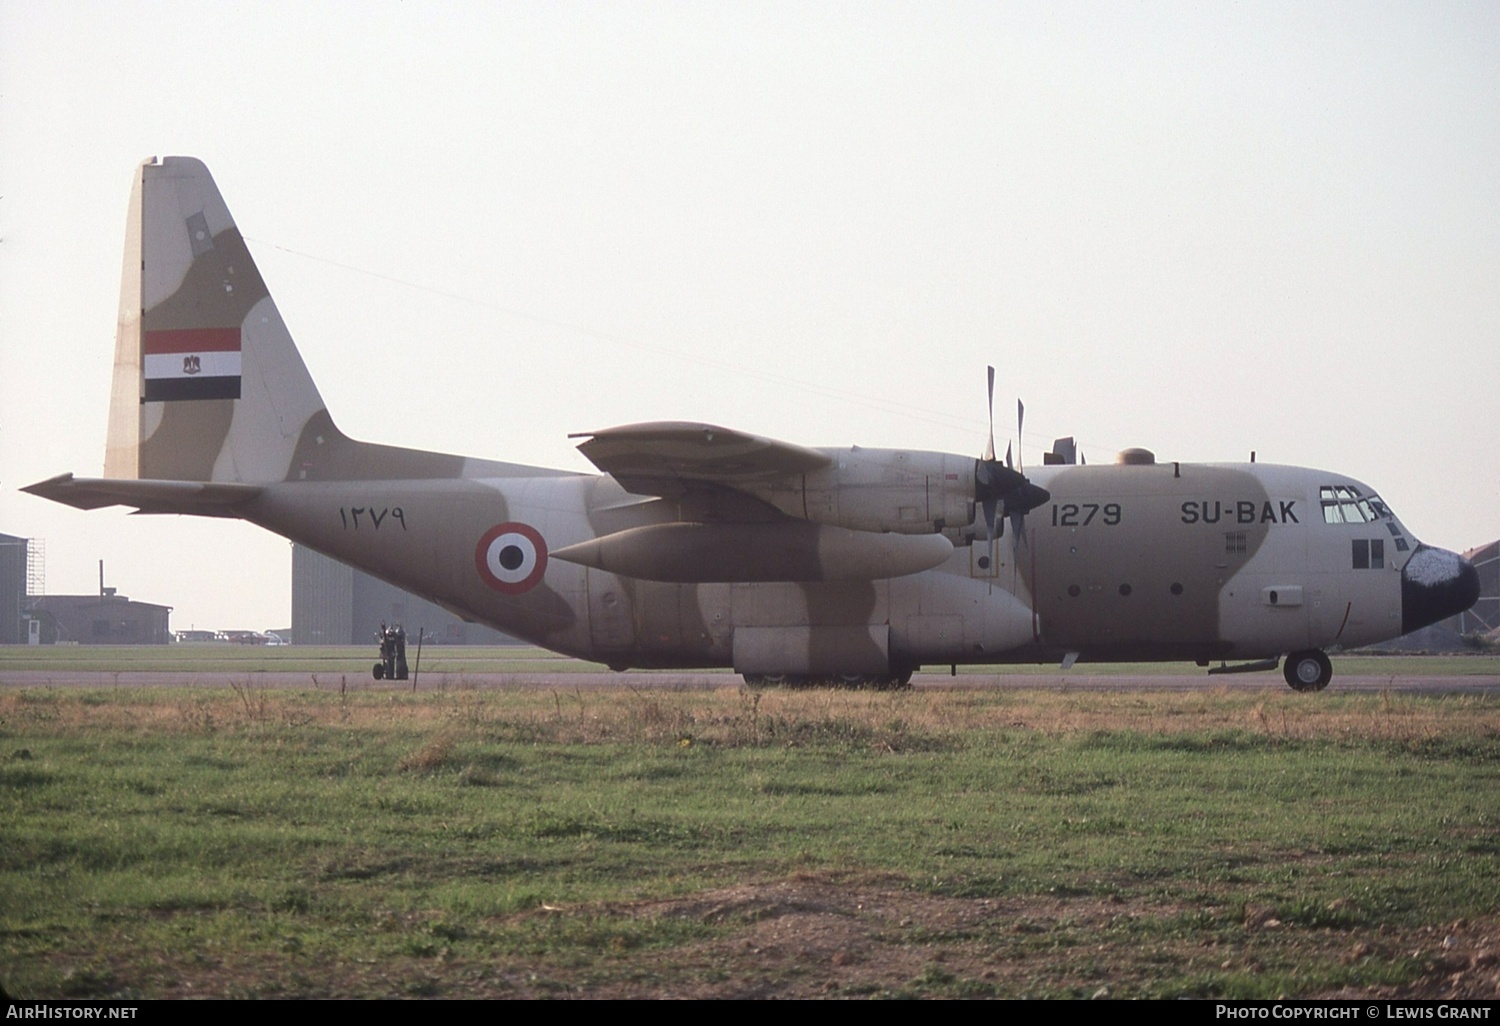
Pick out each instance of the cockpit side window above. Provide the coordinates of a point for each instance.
(1369, 554)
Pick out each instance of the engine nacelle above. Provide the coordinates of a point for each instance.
(880, 490)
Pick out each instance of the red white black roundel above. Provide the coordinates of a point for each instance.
(511, 557)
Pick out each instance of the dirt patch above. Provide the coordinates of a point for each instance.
(1460, 961)
(821, 936)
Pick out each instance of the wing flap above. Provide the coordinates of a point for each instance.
(669, 458)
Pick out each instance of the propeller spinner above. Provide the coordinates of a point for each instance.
(998, 488)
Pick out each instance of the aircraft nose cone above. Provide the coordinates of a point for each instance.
(1435, 584)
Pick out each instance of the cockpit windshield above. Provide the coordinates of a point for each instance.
(1343, 504)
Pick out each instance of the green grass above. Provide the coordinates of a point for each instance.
(286, 843)
(210, 657)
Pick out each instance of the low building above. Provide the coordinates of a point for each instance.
(107, 619)
(1484, 616)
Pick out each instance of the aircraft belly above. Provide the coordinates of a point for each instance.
(824, 627)
(947, 618)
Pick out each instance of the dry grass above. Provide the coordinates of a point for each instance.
(434, 755)
(737, 716)
(634, 842)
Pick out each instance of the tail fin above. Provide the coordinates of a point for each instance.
(211, 401)
(208, 385)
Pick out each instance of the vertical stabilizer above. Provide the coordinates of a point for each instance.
(208, 385)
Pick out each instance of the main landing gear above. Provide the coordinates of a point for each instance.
(874, 682)
(1309, 670)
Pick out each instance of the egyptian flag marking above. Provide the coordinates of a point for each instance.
(192, 363)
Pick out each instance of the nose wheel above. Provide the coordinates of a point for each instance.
(1308, 671)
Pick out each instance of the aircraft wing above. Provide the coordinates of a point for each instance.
(194, 497)
(669, 458)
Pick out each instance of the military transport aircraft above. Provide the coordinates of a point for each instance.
(703, 546)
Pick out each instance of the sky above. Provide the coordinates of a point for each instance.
(1202, 228)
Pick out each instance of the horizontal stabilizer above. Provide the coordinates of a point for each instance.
(192, 497)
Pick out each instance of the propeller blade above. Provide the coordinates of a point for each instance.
(1020, 423)
(1001, 491)
(989, 449)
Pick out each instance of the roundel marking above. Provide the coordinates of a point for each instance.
(511, 557)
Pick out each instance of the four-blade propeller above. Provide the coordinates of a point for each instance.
(999, 488)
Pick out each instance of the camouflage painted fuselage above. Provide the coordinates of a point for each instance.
(1126, 563)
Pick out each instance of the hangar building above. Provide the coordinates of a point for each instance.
(14, 562)
(334, 604)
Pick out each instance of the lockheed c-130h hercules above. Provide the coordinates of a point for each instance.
(700, 546)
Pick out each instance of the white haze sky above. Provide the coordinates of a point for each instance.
(1203, 228)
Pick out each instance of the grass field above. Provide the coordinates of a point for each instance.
(331, 660)
(355, 660)
(249, 841)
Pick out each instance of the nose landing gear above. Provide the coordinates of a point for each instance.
(1309, 670)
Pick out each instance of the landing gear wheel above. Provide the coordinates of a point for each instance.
(851, 681)
(1308, 671)
(379, 671)
(892, 682)
(768, 680)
